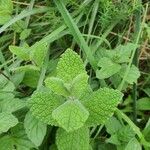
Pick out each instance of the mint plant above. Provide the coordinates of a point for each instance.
(69, 103)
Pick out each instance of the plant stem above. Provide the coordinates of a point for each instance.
(135, 60)
(134, 51)
(43, 71)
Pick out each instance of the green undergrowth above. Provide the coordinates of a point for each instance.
(74, 75)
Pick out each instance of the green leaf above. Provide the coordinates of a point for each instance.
(38, 53)
(31, 78)
(7, 120)
(133, 145)
(108, 68)
(101, 105)
(12, 104)
(79, 85)
(146, 131)
(143, 104)
(76, 140)
(24, 34)
(122, 53)
(57, 86)
(6, 6)
(71, 115)
(20, 139)
(132, 76)
(42, 104)
(4, 18)
(6, 143)
(31, 74)
(113, 125)
(69, 66)
(113, 140)
(125, 134)
(20, 52)
(35, 129)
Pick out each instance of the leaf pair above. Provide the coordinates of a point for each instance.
(115, 62)
(69, 103)
(7, 107)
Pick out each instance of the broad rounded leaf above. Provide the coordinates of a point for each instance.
(79, 85)
(76, 140)
(132, 75)
(35, 129)
(12, 105)
(42, 104)
(101, 105)
(108, 68)
(38, 53)
(71, 115)
(7, 120)
(57, 86)
(20, 52)
(133, 145)
(69, 66)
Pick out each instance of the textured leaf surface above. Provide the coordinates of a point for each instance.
(20, 52)
(71, 115)
(69, 66)
(101, 105)
(108, 68)
(132, 76)
(12, 105)
(6, 8)
(76, 140)
(42, 104)
(19, 138)
(133, 145)
(7, 121)
(56, 85)
(38, 53)
(35, 129)
(122, 53)
(79, 85)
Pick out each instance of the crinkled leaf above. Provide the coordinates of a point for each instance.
(76, 140)
(125, 134)
(7, 120)
(57, 86)
(42, 104)
(122, 53)
(20, 52)
(34, 129)
(12, 104)
(71, 115)
(101, 105)
(132, 75)
(108, 68)
(38, 53)
(79, 85)
(133, 145)
(69, 66)
(31, 78)
(6, 6)
(4, 18)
